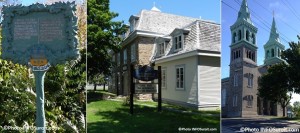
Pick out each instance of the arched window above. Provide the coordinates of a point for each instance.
(247, 35)
(272, 52)
(234, 39)
(240, 34)
(278, 54)
(253, 56)
(268, 54)
(253, 38)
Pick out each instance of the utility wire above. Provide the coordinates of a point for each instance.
(265, 23)
(297, 32)
(266, 29)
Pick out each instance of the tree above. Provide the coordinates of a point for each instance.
(275, 85)
(296, 109)
(103, 36)
(292, 57)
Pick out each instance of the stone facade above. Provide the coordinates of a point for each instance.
(240, 89)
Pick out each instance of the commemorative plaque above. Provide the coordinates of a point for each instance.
(40, 36)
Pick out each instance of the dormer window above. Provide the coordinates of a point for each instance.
(132, 24)
(178, 42)
(161, 48)
(133, 21)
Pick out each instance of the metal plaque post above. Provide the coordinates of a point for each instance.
(159, 90)
(131, 88)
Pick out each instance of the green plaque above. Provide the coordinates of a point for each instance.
(40, 34)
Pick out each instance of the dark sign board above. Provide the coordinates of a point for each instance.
(145, 73)
(141, 88)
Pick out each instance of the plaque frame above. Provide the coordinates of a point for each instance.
(54, 57)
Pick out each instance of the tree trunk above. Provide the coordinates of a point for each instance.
(95, 86)
(283, 111)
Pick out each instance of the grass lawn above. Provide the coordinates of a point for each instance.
(113, 117)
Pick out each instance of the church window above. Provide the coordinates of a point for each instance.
(234, 39)
(253, 56)
(253, 38)
(272, 52)
(247, 35)
(125, 56)
(223, 94)
(234, 101)
(268, 54)
(239, 53)
(240, 34)
(235, 80)
(278, 53)
(250, 80)
(249, 99)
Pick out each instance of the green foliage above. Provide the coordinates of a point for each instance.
(102, 37)
(275, 85)
(296, 109)
(292, 57)
(16, 96)
(65, 96)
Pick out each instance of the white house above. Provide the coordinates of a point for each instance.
(188, 49)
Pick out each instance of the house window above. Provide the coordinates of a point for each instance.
(125, 56)
(223, 94)
(163, 78)
(249, 99)
(133, 52)
(234, 101)
(161, 48)
(180, 77)
(250, 80)
(178, 42)
(235, 80)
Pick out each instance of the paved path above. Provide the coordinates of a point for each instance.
(259, 125)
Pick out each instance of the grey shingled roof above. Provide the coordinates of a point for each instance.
(203, 35)
(162, 23)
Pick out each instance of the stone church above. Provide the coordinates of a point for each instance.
(239, 90)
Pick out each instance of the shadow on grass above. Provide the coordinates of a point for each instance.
(147, 119)
(93, 96)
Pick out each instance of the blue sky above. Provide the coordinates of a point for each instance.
(206, 9)
(261, 15)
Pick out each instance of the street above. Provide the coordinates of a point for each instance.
(258, 124)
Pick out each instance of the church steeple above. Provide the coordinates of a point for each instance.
(273, 47)
(244, 13)
(274, 35)
(243, 44)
